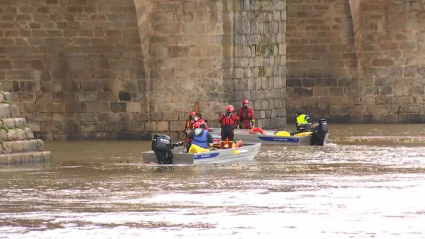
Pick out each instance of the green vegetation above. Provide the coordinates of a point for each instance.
(261, 71)
(6, 128)
(264, 48)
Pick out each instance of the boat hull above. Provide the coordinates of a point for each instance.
(244, 153)
(268, 137)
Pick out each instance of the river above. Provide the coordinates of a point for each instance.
(100, 189)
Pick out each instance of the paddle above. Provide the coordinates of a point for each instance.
(196, 109)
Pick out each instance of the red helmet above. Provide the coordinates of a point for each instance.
(245, 102)
(230, 108)
(197, 125)
(192, 113)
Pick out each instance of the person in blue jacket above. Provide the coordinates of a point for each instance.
(200, 136)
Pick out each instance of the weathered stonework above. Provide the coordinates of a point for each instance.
(390, 40)
(75, 68)
(258, 69)
(321, 60)
(17, 141)
(97, 69)
(185, 63)
(357, 61)
(102, 69)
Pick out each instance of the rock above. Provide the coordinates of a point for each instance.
(12, 135)
(8, 122)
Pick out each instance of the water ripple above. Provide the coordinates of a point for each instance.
(337, 191)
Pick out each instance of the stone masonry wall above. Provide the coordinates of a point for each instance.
(321, 60)
(186, 62)
(102, 69)
(357, 61)
(17, 143)
(391, 45)
(259, 61)
(124, 68)
(74, 67)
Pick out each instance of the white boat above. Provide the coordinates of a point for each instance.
(163, 152)
(318, 136)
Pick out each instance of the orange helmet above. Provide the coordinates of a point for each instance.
(245, 101)
(192, 113)
(230, 108)
(197, 125)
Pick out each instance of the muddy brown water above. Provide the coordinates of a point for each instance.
(102, 190)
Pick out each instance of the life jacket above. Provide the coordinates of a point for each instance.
(227, 120)
(246, 114)
(201, 140)
(301, 119)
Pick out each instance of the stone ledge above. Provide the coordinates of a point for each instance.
(13, 122)
(25, 158)
(16, 134)
(5, 96)
(11, 147)
(9, 111)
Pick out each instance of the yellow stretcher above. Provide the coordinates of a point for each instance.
(285, 133)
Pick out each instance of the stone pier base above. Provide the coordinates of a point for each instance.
(25, 158)
(18, 145)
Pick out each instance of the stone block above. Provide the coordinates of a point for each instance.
(113, 126)
(88, 126)
(7, 96)
(168, 28)
(40, 145)
(69, 126)
(9, 122)
(33, 145)
(20, 122)
(135, 126)
(71, 107)
(7, 147)
(28, 133)
(4, 111)
(121, 63)
(50, 126)
(134, 107)
(150, 126)
(177, 125)
(107, 117)
(163, 126)
(17, 146)
(34, 126)
(3, 135)
(97, 107)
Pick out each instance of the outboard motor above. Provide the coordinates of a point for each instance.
(320, 130)
(161, 146)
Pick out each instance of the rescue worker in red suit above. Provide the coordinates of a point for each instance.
(246, 114)
(189, 127)
(190, 121)
(227, 121)
(198, 118)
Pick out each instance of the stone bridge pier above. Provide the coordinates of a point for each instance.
(121, 69)
(356, 61)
